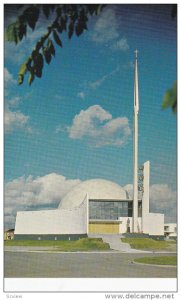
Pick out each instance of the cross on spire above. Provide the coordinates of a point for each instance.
(136, 53)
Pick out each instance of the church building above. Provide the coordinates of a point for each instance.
(98, 206)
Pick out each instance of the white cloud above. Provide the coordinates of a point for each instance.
(121, 44)
(15, 120)
(81, 95)
(107, 31)
(8, 77)
(100, 81)
(162, 200)
(14, 101)
(9, 81)
(106, 27)
(46, 192)
(99, 128)
(60, 128)
(34, 193)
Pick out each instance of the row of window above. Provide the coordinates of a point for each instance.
(111, 210)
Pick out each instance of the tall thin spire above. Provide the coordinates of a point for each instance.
(135, 154)
(136, 96)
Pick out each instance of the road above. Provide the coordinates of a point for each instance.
(81, 265)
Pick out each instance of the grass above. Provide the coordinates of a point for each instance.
(84, 244)
(149, 244)
(159, 260)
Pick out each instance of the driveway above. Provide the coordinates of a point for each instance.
(80, 265)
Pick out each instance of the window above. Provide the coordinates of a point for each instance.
(166, 228)
(139, 209)
(109, 210)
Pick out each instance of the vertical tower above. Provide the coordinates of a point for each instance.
(135, 148)
(146, 195)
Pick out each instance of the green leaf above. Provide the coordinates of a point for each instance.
(38, 64)
(63, 23)
(92, 8)
(10, 33)
(71, 30)
(38, 72)
(100, 8)
(23, 69)
(170, 98)
(28, 63)
(39, 60)
(80, 27)
(32, 14)
(47, 55)
(51, 47)
(20, 79)
(31, 77)
(59, 11)
(46, 10)
(22, 31)
(56, 38)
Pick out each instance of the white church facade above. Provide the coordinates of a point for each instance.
(98, 205)
(93, 206)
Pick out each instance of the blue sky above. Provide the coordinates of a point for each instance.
(76, 122)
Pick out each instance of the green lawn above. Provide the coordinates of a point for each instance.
(159, 260)
(84, 244)
(149, 244)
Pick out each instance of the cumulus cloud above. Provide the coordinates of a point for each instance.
(34, 193)
(8, 77)
(15, 120)
(99, 128)
(46, 192)
(107, 31)
(163, 199)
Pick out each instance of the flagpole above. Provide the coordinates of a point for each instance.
(135, 151)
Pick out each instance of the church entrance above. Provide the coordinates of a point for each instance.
(104, 227)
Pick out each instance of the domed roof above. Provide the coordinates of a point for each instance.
(98, 189)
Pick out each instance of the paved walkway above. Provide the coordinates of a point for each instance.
(114, 240)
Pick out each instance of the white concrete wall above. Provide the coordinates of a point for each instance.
(59, 221)
(154, 224)
(123, 225)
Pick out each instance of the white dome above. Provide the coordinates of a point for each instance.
(95, 189)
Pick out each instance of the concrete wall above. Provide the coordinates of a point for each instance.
(154, 224)
(59, 221)
(123, 225)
